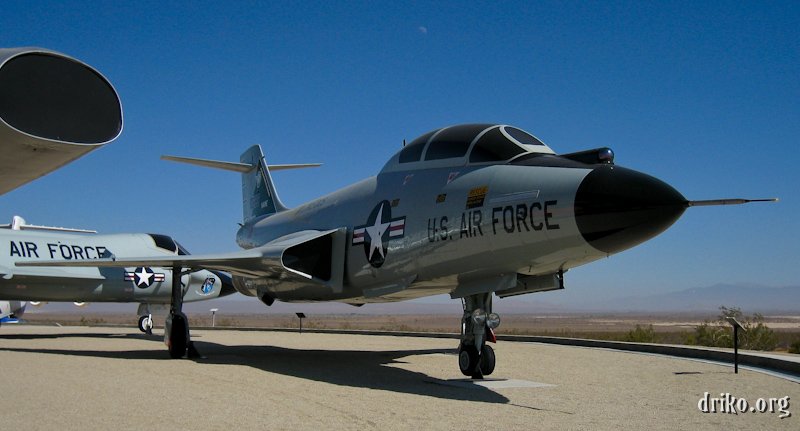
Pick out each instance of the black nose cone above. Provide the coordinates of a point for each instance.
(617, 208)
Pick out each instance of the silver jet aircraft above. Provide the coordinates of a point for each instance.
(53, 110)
(149, 286)
(472, 211)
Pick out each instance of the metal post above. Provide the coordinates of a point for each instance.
(735, 349)
(213, 316)
(736, 325)
(176, 305)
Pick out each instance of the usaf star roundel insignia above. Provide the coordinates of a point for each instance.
(144, 277)
(375, 235)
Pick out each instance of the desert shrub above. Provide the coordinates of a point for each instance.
(795, 346)
(719, 333)
(641, 334)
(710, 334)
(758, 336)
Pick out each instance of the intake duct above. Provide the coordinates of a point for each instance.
(53, 110)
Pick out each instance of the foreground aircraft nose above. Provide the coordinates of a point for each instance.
(617, 208)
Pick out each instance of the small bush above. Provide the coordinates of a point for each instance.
(756, 335)
(641, 334)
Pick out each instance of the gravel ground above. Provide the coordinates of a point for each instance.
(116, 378)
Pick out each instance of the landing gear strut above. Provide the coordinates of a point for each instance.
(176, 327)
(475, 358)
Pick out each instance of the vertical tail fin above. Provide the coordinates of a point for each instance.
(259, 197)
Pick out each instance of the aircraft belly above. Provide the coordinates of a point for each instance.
(34, 288)
(297, 291)
(79, 284)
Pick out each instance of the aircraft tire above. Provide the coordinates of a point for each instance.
(142, 320)
(468, 360)
(487, 360)
(178, 341)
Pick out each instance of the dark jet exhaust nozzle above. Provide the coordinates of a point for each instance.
(53, 109)
(617, 208)
(227, 284)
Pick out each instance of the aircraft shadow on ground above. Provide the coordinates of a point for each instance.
(353, 368)
(363, 369)
(125, 354)
(84, 335)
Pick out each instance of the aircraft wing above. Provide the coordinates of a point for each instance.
(54, 110)
(307, 255)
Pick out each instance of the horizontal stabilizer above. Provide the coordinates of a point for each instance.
(715, 202)
(236, 166)
(19, 223)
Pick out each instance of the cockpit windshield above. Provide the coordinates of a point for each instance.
(167, 243)
(453, 142)
(494, 146)
(467, 144)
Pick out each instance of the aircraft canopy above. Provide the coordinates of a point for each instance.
(466, 144)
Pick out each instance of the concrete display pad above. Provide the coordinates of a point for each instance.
(115, 378)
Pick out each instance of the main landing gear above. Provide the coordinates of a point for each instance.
(475, 358)
(146, 324)
(176, 327)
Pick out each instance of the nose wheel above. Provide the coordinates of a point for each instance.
(475, 358)
(146, 324)
(476, 365)
(468, 360)
(487, 360)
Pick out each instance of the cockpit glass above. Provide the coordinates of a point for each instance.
(453, 142)
(522, 137)
(493, 146)
(164, 242)
(413, 151)
(181, 251)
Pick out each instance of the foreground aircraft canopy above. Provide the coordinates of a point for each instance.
(53, 110)
(470, 210)
(149, 286)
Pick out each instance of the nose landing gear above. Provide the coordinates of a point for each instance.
(146, 324)
(475, 358)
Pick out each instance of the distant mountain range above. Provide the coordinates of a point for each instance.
(750, 298)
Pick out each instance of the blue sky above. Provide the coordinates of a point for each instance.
(704, 95)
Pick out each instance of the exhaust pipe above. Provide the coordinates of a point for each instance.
(53, 110)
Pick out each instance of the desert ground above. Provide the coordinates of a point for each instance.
(669, 328)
